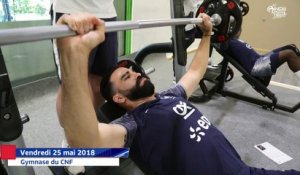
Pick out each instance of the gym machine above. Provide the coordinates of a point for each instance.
(259, 84)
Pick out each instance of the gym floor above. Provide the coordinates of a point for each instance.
(244, 124)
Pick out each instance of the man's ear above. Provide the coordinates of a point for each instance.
(119, 98)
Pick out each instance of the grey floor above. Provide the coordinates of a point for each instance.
(244, 124)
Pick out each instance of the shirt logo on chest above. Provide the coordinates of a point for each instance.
(197, 131)
(183, 109)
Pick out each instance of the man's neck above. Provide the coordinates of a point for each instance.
(134, 104)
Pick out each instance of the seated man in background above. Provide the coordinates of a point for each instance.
(262, 65)
(164, 131)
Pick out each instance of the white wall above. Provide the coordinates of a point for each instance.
(265, 30)
(150, 9)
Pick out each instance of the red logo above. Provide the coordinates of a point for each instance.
(202, 9)
(231, 5)
(221, 38)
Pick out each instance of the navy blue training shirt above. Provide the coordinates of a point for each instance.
(242, 52)
(171, 136)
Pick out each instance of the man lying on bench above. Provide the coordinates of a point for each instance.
(262, 65)
(166, 133)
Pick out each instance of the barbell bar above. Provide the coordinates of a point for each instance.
(28, 34)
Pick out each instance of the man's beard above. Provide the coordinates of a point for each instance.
(141, 91)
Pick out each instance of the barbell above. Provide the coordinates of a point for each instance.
(27, 34)
(221, 13)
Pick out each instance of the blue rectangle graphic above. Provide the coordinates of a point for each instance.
(72, 152)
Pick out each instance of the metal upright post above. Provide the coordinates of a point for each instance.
(180, 54)
(11, 125)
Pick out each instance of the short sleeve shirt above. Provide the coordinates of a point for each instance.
(171, 136)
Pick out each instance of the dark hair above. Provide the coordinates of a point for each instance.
(106, 85)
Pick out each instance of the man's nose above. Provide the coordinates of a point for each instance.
(136, 74)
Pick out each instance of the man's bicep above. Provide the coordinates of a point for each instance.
(189, 83)
(112, 135)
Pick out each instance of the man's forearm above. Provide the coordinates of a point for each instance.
(197, 68)
(77, 113)
(200, 61)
